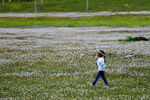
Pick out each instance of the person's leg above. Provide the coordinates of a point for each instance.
(96, 78)
(104, 78)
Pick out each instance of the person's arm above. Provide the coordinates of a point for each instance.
(95, 61)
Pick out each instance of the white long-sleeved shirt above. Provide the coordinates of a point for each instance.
(101, 64)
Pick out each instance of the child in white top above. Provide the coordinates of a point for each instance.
(100, 63)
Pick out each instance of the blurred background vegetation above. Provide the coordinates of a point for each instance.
(74, 5)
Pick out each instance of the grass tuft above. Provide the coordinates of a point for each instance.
(128, 39)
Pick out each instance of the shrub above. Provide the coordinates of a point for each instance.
(129, 39)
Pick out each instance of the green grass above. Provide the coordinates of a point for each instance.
(117, 20)
(129, 39)
(77, 6)
(46, 77)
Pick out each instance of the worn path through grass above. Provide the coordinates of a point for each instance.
(73, 14)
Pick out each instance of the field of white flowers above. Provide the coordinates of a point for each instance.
(57, 63)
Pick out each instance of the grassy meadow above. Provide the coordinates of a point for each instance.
(52, 57)
(46, 76)
(48, 66)
(115, 20)
(76, 6)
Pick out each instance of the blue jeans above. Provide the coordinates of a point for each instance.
(100, 74)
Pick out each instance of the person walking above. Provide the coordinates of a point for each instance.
(100, 63)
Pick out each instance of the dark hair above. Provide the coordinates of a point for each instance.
(102, 53)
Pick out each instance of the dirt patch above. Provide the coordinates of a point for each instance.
(140, 39)
(18, 38)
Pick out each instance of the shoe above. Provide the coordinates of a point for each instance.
(106, 86)
(91, 85)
